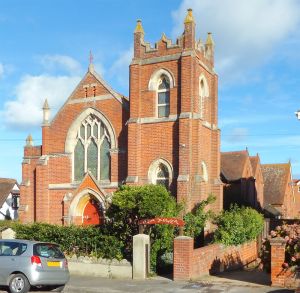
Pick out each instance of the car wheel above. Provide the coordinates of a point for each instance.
(18, 284)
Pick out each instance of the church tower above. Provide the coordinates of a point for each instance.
(173, 134)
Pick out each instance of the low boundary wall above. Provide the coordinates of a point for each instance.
(190, 263)
(113, 269)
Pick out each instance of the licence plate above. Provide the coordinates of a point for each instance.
(53, 263)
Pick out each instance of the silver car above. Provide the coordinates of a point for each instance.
(25, 263)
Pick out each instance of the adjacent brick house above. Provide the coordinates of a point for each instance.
(279, 197)
(296, 186)
(259, 181)
(238, 173)
(165, 133)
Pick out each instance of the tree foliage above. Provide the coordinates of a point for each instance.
(133, 203)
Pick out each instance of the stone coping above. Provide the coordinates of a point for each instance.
(94, 260)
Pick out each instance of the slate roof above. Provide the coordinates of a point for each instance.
(6, 186)
(233, 164)
(276, 177)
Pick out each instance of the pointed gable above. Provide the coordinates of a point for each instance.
(233, 164)
(276, 178)
(92, 85)
(89, 182)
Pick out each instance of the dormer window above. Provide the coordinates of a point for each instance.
(163, 97)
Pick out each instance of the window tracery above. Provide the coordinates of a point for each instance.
(92, 149)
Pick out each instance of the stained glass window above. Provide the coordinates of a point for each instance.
(95, 130)
(82, 131)
(105, 160)
(163, 97)
(162, 175)
(92, 150)
(92, 158)
(79, 161)
(88, 131)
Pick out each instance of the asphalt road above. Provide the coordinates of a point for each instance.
(80, 284)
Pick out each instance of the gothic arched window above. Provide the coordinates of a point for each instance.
(163, 97)
(162, 175)
(204, 171)
(161, 172)
(92, 149)
(203, 93)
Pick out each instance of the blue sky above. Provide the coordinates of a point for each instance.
(45, 49)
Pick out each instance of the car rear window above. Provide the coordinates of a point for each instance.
(47, 250)
(10, 248)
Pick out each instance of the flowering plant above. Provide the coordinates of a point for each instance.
(291, 234)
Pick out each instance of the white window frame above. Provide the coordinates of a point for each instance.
(162, 91)
(203, 93)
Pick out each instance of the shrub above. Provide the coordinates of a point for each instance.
(291, 233)
(79, 240)
(132, 203)
(197, 218)
(238, 225)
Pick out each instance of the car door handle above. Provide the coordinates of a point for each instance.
(13, 259)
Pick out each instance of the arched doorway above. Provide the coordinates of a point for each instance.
(92, 213)
(87, 210)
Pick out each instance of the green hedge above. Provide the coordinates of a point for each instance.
(90, 240)
(238, 225)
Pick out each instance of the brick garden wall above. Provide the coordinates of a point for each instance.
(190, 263)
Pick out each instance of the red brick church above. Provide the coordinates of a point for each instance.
(166, 132)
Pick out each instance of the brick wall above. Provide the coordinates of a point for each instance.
(190, 263)
(281, 276)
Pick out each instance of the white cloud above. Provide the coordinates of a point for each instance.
(245, 32)
(31, 92)
(238, 135)
(120, 68)
(54, 62)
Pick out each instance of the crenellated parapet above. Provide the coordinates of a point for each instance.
(184, 43)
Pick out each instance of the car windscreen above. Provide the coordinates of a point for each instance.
(47, 250)
(10, 248)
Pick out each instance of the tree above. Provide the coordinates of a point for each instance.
(132, 203)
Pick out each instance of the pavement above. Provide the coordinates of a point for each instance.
(230, 282)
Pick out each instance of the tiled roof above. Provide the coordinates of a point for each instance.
(233, 164)
(6, 186)
(276, 177)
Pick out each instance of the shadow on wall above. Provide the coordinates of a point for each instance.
(229, 263)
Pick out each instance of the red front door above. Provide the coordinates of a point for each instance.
(91, 214)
